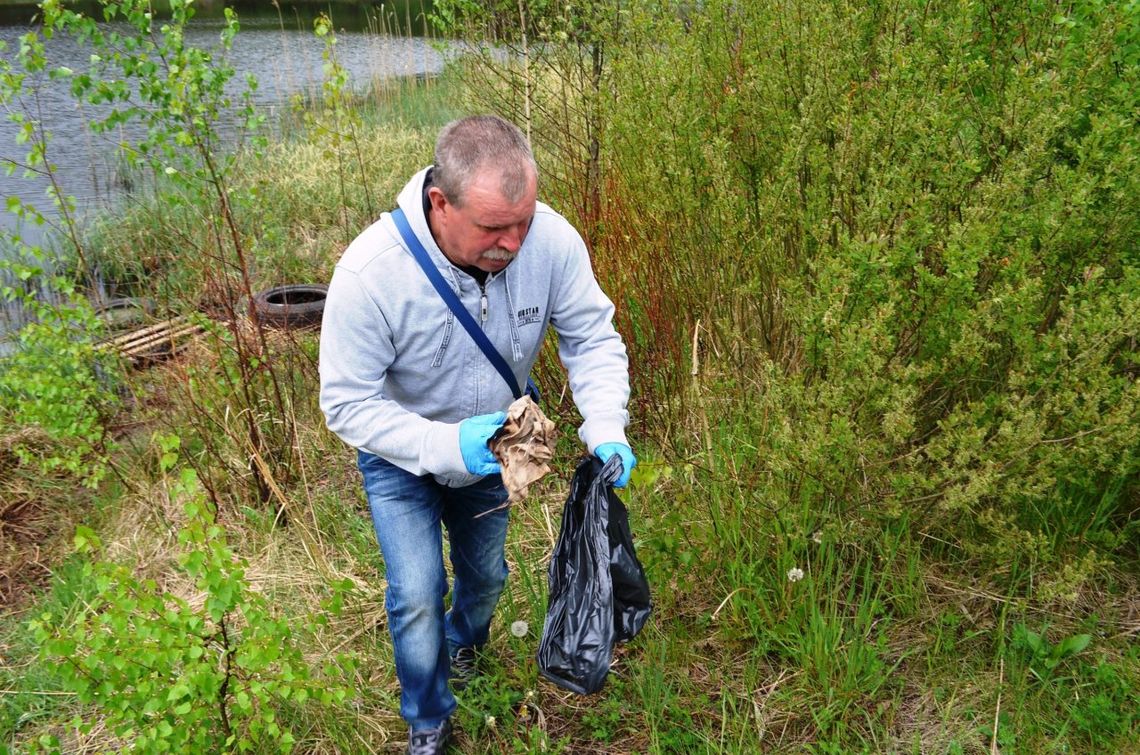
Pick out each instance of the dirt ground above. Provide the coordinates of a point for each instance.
(35, 531)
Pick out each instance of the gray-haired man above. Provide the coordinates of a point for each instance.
(404, 384)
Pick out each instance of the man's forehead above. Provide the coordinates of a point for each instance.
(485, 197)
(491, 178)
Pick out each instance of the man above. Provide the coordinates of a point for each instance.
(403, 383)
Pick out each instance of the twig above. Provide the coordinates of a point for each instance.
(549, 523)
(1127, 632)
(504, 505)
(946, 585)
(305, 487)
(723, 602)
(351, 638)
(758, 710)
(997, 709)
(928, 536)
(696, 359)
(223, 691)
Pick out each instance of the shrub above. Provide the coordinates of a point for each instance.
(58, 389)
(168, 675)
(900, 239)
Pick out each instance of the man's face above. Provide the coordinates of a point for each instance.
(487, 230)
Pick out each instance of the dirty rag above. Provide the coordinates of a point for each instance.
(523, 446)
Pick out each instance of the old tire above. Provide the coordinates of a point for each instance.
(292, 306)
(125, 312)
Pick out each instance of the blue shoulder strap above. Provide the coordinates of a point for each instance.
(452, 300)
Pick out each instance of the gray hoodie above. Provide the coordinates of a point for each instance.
(399, 372)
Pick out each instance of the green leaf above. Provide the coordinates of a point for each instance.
(85, 539)
(177, 692)
(1073, 645)
(1035, 643)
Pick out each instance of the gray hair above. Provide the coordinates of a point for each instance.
(469, 145)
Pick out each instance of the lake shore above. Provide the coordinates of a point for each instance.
(21, 11)
(202, 4)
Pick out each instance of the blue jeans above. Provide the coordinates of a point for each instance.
(406, 513)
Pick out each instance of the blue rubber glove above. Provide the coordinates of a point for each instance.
(628, 460)
(474, 432)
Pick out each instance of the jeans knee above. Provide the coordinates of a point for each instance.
(408, 603)
(489, 586)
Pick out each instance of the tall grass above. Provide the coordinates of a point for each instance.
(914, 224)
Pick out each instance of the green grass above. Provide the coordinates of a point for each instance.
(867, 528)
(883, 645)
(34, 691)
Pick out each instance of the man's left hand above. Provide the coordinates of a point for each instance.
(628, 460)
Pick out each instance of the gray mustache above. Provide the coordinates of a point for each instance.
(498, 253)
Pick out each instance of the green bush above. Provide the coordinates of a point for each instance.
(58, 389)
(902, 239)
(165, 674)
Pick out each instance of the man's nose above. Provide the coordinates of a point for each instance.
(512, 238)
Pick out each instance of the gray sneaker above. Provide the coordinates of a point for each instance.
(429, 741)
(464, 667)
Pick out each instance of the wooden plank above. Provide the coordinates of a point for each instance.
(170, 338)
(167, 334)
(157, 341)
(157, 328)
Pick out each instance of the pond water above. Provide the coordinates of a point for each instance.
(279, 49)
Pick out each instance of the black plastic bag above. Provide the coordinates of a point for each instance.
(598, 591)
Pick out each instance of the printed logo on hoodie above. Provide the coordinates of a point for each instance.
(527, 315)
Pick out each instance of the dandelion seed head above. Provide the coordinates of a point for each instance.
(795, 574)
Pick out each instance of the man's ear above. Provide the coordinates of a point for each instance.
(438, 200)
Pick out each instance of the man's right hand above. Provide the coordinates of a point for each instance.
(474, 433)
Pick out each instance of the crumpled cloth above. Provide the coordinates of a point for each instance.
(523, 446)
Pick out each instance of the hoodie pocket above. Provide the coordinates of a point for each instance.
(447, 329)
